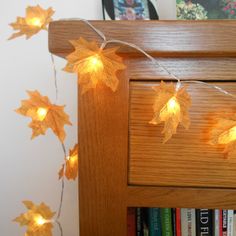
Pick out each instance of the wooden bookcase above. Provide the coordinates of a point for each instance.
(122, 160)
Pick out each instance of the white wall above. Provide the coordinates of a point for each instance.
(166, 9)
(29, 168)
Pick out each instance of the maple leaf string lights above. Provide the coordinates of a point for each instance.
(70, 168)
(36, 19)
(44, 115)
(171, 107)
(94, 65)
(224, 133)
(38, 219)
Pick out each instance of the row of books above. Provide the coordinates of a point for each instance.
(181, 222)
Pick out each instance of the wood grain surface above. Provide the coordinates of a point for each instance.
(103, 151)
(208, 69)
(177, 197)
(122, 160)
(187, 159)
(160, 38)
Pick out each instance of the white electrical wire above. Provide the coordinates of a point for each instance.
(154, 61)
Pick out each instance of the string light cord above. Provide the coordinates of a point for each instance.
(62, 187)
(154, 61)
(167, 70)
(100, 33)
(105, 42)
(63, 148)
(211, 86)
(55, 76)
(60, 227)
(61, 198)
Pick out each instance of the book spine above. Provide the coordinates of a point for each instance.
(139, 221)
(230, 222)
(221, 223)
(188, 222)
(192, 221)
(216, 222)
(173, 220)
(234, 223)
(131, 222)
(204, 220)
(154, 221)
(224, 222)
(145, 222)
(178, 222)
(166, 223)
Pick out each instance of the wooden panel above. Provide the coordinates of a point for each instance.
(187, 159)
(181, 197)
(223, 69)
(193, 50)
(103, 140)
(160, 38)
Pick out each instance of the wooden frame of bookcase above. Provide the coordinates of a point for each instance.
(104, 189)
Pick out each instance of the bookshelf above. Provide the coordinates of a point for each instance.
(122, 161)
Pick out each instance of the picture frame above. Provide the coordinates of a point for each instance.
(205, 10)
(130, 10)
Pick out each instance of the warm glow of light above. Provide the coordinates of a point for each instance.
(35, 21)
(39, 220)
(94, 63)
(41, 113)
(228, 136)
(173, 105)
(171, 108)
(72, 159)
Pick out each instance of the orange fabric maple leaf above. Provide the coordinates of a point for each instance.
(70, 168)
(93, 64)
(44, 115)
(36, 19)
(38, 219)
(171, 107)
(224, 133)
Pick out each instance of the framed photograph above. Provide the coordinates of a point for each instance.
(130, 10)
(203, 10)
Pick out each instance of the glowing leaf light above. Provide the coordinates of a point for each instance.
(44, 115)
(94, 65)
(36, 19)
(35, 22)
(224, 133)
(38, 219)
(171, 107)
(228, 136)
(70, 168)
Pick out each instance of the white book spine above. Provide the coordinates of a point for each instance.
(188, 222)
(217, 223)
(234, 223)
(230, 223)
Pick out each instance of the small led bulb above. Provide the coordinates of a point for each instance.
(42, 113)
(173, 105)
(228, 136)
(171, 108)
(40, 220)
(72, 159)
(95, 63)
(35, 21)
